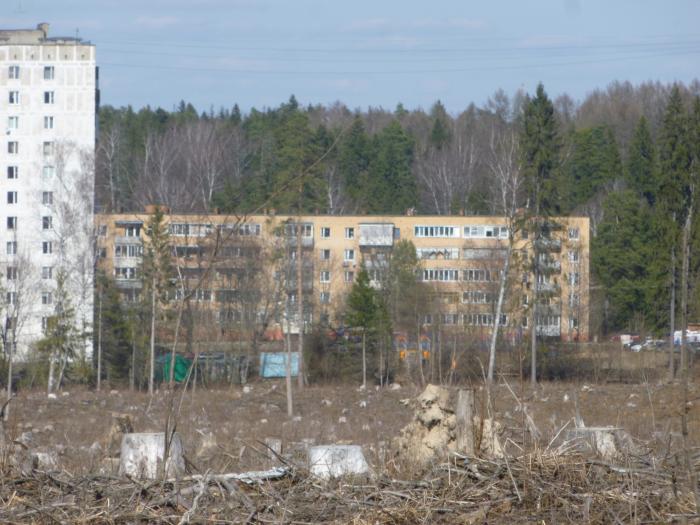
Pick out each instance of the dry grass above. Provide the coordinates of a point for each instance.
(541, 481)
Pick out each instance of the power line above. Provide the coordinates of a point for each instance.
(690, 51)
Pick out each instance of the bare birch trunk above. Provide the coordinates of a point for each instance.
(99, 343)
(499, 308)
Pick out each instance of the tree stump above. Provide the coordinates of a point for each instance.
(142, 456)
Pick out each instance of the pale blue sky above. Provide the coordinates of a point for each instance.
(369, 52)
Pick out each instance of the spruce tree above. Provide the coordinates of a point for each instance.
(641, 169)
(539, 146)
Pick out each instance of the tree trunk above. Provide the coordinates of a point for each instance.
(9, 382)
(171, 379)
(99, 342)
(52, 372)
(152, 367)
(499, 309)
(300, 296)
(132, 379)
(684, 289)
(288, 372)
(671, 357)
(364, 359)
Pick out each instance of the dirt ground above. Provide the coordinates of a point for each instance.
(222, 429)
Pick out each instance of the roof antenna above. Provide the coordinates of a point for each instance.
(19, 6)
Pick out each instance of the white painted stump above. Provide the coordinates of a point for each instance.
(142, 456)
(333, 461)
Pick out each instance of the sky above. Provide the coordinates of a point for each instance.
(368, 53)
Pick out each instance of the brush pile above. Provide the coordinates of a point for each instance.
(557, 486)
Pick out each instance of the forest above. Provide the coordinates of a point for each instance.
(627, 156)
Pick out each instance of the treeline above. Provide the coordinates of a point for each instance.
(614, 160)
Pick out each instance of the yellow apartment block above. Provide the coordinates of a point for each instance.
(242, 271)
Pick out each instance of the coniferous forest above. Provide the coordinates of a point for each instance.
(627, 156)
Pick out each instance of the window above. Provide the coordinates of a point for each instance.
(349, 276)
(48, 122)
(573, 256)
(440, 274)
(325, 232)
(11, 197)
(132, 231)
(11, 298)
(12, 172)
(12, 273)
(349, 255)
(49, 72)
(325, 297)
(13, 72)
(47, 272)
(47, 198)
(524, 234)
(44, 323)
(349, 233)
(102, 230)
(12, 223)
(46, 298)
(477, 297)
(574, 279)
(486, 232)
(574, 300)
(47, 222)
(13, 98)
(436, 231)
(12, 122)
(121, 272)
(573, 234)
(480, 275)
(437, 253)
(11, 248)
(48, 97)
(47, 148)
(128, 250)
(49, 172)
(13, 147)
(325, 255)
(47, 247)
(325, 276)
(573, 323)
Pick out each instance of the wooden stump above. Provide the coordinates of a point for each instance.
(142, 456)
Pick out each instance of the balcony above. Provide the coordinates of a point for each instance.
(306, 242)
(548, 245)
(378, 234)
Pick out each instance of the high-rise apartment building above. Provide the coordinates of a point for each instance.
(48, 101)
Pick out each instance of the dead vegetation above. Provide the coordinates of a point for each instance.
(550, 470)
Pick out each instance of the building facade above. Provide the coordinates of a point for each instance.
(48, 89)
(246, 269)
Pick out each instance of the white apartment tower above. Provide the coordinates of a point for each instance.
(48, 101)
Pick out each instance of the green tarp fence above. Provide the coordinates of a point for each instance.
(182, 366)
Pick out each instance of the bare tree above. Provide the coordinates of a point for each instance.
(504, 164)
